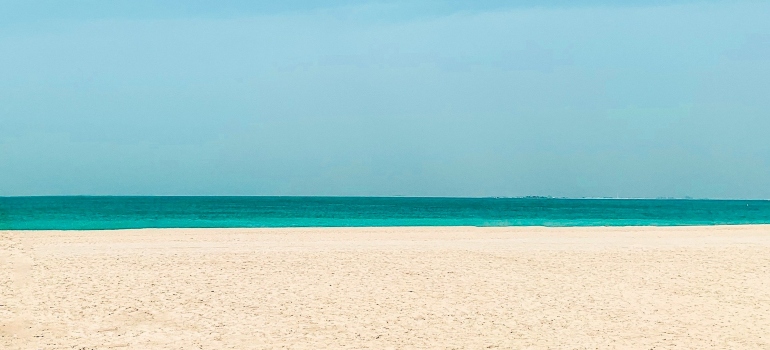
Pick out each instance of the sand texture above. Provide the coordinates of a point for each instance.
(387, 288)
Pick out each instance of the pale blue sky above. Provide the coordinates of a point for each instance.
(570, 98)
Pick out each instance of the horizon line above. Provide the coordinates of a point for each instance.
(398, 196)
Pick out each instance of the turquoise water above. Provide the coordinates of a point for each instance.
(77, 213)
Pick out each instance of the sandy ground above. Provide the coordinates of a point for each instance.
(380, 288)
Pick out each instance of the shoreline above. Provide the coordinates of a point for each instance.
(512, 227)
(387, 287)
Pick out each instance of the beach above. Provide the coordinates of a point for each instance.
(387, 288)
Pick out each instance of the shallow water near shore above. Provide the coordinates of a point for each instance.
(81, 213)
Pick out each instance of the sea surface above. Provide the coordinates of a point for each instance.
(80, 213)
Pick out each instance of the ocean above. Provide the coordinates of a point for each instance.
(100, 213)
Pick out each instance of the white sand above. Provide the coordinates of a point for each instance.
(379, 288)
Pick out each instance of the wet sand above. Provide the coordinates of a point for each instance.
(380, 288)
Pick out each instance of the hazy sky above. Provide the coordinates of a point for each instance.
(442, 98)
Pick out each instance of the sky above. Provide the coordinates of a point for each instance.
(386, 98)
